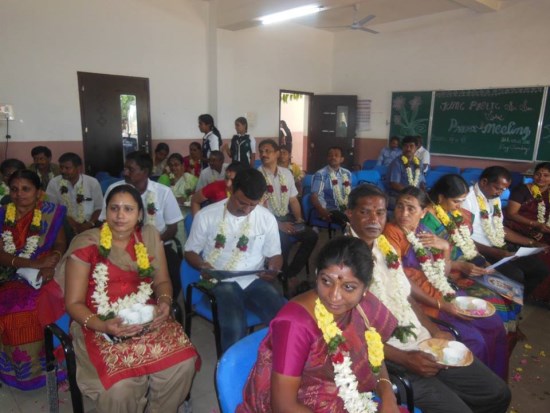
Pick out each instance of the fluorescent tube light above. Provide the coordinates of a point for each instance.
(290, 14)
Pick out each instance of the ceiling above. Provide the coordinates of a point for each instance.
(242, 14)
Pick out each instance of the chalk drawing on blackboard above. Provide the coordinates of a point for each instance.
(405, 116)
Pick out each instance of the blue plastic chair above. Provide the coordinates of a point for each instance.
(257, 163)
(517, 178)
(369, 164)
(527, 180)
(106, 183)
(480, 170)
(504, 197)
(471, 177)
(432, 177)
(102, 175)
(448, 169)
(306, 184)
(200, 301)
(312, 217)
(371, 176)
(233, 370)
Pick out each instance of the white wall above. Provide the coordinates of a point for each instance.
(254, 64)
(44, 44)
(456, 50)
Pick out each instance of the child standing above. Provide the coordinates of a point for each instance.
(212, 139)
(243, 146)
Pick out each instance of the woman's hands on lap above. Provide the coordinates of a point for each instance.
(116, 327)
(162, 314)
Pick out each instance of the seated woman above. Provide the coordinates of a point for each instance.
(111, 269)
(32, 239)
(322, 331)
(449, 221)
(192, 163)
(426, 261)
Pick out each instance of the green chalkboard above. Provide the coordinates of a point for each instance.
(487, 123)
(543, 154)
(410, 114)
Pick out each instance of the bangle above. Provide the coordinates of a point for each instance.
(13, 261)
(438, 304)
(165, 296)
(381, 379)
(85, 323)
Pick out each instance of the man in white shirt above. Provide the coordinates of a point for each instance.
(423, 154)
(214, 172)
(495, 241)
(281, 196)
(161, 208)
(80, 193)
(238, 234)
(435, 388)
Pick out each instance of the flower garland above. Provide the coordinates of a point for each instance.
(277, 204)
(344, 378)
(64, 190)
(395, 298)
(341, 201)
(494, 229)
(433, 266)
(221, 239)
(408, 169)
(151, 208)
(458, 230)
(541, 206)
(101, 278)
(31, 243)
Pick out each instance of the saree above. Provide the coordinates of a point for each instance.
(294, 346)
(151, 352)
(485, 337)
(507, 310)
(25, 311)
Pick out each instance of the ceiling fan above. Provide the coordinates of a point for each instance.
(357, 24)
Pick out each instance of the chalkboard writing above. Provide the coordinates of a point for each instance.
(543, 154)
(410, 114)
(488, 123)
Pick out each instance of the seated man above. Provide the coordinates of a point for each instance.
(238, 234)
(330, 188)
(214, 171)
(43, 166)
(282, 195)
(389, 153)
(405, 170)
(161, 206)
(217, 190)
(436, 389)
(80, 193)
(423, 155)
(493, 240)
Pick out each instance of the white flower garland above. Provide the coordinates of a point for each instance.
(345, 380)
(341, 201)
(433, 269)
(493, 228)
(277, 204)
(238, 254)
(460, 233)
(395, 298)
(541, 206)
(31, 243)
(64, 189)
(413, 181)
(101, 299)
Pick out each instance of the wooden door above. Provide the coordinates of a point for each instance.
(332, 122)
(107, 134)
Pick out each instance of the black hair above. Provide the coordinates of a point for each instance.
(242, 120)
(269, 142)
(30, 176)
(71, 157)
(450, 186)
(218, 155)
(11, 163)
(494, 173)
(415, 192)
(410, 139)
(395, 138)
(161, 146)
(177, 156)
(251, 183)
(351, 252)
(126, 189)
(37, 150)
(338, 148)
(236, 166)
(542, 165)
(142, 159)
(196, 144)
(284, 148)
(363, 191)
(209, 120)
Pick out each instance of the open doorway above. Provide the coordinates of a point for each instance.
(293, 124)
